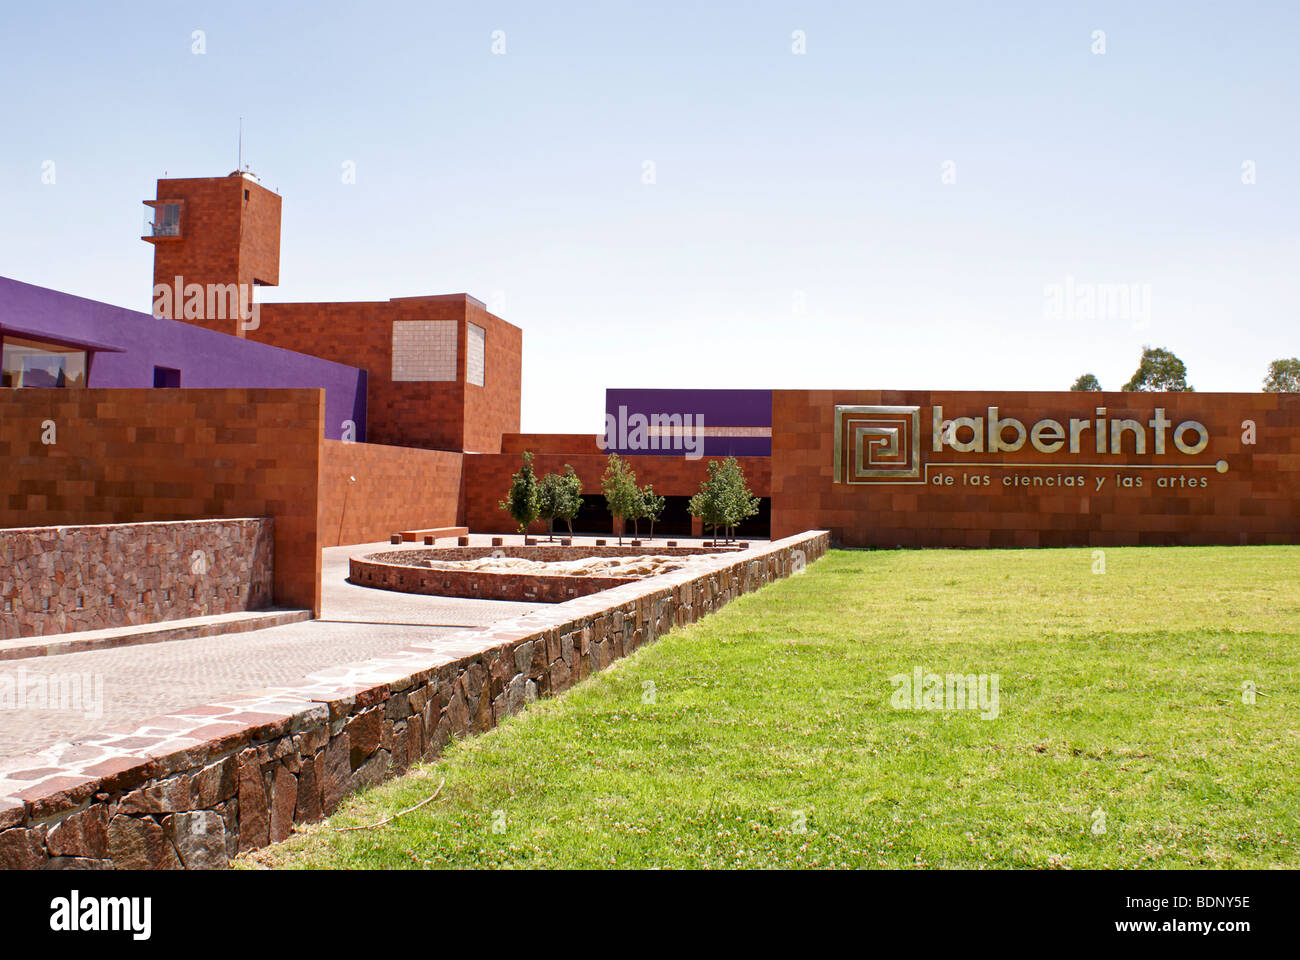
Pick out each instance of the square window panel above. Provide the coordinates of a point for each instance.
(424, 350)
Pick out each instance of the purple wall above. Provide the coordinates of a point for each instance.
(719, 408)
(204, 358)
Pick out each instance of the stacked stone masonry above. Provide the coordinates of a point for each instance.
(194, 788)
(64, 579)
(397, 571)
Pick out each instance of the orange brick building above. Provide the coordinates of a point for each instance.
(442, 372)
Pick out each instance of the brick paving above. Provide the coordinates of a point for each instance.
(142, 681)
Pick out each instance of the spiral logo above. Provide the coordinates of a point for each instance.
(877, 444)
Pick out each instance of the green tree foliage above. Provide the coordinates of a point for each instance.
(1283, 376)
(568, 497)
(559, 497)
(1159, 370)
(724, 499)
(741, 502)
(522, 501)
(622, 495)
(1087, 383)
(549, 492)
(709, 504)
(652, 506)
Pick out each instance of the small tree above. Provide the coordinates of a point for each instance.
(652, 506)
(622, 495)
(1087, 383)
(740, 500)
(568, 497)
(710, 503)
(1283, 376)
(521, 501)
(1159, 370)
(549, 493)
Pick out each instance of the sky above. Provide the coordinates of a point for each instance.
(955, 195)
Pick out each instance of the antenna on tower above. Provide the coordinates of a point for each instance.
(240, 165)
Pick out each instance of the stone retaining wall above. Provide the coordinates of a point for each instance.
(65, 579)
(193, 788)
(397, 570)
(477, 584)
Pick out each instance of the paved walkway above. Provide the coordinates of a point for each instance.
(141, 681)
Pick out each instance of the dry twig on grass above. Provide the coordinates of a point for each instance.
(370, 826)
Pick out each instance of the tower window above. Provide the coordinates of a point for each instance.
(162, 219)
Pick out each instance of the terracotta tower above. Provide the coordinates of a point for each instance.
(215, 239)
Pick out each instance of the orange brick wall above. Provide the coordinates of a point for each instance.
(449, 415)
(561, 443)
(396, 488)
(125, 456)
(360, 335)
(492, 410)
(1256, 501)
(487, 480)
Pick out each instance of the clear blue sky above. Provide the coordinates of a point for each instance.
(781, 180)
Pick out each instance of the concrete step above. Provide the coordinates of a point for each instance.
(189, 628)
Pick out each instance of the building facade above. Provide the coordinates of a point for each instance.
(344, 422)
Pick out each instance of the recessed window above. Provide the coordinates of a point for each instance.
(166, 377)
(474, 353)
(33, 363)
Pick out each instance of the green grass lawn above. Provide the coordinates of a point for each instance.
(764, 735)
